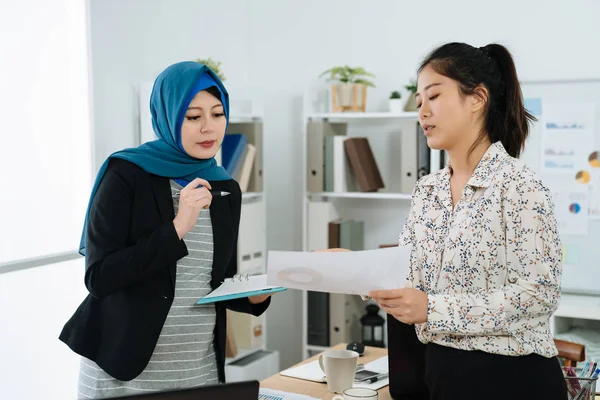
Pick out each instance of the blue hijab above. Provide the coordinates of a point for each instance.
(172, 93)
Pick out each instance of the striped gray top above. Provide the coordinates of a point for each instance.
(184, 355)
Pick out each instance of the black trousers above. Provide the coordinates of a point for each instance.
(452, 374)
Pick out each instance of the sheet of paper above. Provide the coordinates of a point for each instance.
(571, 208)
(594, 199)
(356, 272)
(271, 394)
(379, 365)
(567, 136)
(312, 372)
(309, 371)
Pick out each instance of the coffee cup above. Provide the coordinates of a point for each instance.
(339, 367)
(357, 394)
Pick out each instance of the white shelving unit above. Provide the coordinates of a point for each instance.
(377, 206)
(251, 246)
(364, 115)
(253, 360)
(358, 195)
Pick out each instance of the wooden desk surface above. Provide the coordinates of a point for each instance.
(319, 390)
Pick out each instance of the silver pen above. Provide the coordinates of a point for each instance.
(215, 193)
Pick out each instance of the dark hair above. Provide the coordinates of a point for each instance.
(491, 66)
(213, 90)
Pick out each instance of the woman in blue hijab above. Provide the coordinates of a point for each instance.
(161, 232)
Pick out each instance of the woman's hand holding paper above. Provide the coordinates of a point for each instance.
(407, 305)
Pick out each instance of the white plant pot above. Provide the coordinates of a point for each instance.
(395, 106)
(344, 94)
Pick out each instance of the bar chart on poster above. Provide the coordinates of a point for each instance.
(563, 148)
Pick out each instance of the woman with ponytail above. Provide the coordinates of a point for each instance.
(486, 255)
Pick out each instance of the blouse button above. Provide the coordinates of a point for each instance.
(512, 280)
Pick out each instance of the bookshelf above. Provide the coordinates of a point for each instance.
(249, 332)
(382, 211)
(364, 115)
(246, 118)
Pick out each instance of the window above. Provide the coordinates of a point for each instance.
(45, 128)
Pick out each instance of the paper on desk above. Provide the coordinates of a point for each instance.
(312, 372)
(356, 272)
(271, 394)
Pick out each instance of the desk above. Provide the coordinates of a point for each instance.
(319, 390)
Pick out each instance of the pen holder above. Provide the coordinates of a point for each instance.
(580, 388)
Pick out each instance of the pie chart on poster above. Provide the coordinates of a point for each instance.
(594, 159)
(582, 177)
(575, 208)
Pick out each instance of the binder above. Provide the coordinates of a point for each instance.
(415, 159)
(316, 133)
(251, 243)
(408, 161)
(352, 235)
(423, 154)
(319, 216)
(239, 287)
(344, 318)
(248, 330)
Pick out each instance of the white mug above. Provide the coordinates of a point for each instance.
(357, 394)
(340, 369)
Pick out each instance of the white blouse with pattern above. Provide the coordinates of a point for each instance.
(491, 267)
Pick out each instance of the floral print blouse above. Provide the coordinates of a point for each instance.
(492, 266)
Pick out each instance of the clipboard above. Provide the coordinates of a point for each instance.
(240, 286)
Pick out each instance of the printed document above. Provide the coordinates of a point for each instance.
(355, 272)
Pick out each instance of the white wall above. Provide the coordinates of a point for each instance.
(288, 44)
(293, 42)
(134, 40)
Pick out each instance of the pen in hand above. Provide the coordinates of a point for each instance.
(214, 193)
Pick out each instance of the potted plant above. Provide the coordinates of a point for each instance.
(395, 102)
(411, 102)
(214, 65)
(350, 91)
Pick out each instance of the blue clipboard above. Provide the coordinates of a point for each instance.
(239, 287)
(214, 299)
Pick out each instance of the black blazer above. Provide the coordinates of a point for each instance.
(132, 251)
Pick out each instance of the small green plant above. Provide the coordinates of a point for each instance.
(346, 74)
(214, 65)
(395, 95)
(412, 86)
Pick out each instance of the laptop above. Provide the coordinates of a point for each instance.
(246, 390)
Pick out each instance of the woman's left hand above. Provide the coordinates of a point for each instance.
(258, 299)
(407, 305)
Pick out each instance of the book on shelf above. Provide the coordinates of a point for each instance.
(238, 158)
(363, 165)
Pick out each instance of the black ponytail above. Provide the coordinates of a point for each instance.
(506, 119)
